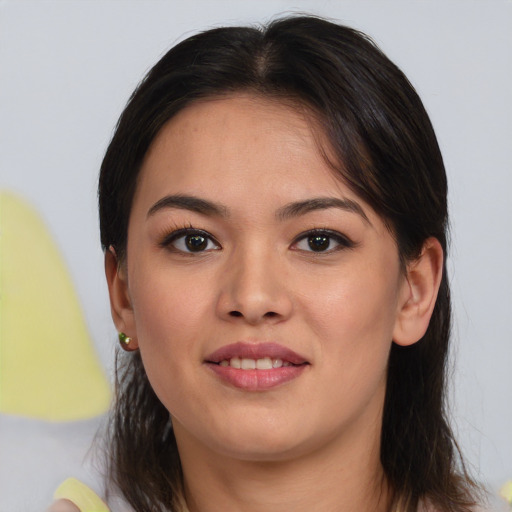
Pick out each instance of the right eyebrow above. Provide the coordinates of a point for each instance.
(191, 203)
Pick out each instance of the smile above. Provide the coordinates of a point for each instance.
(256, 366)
(265, 363)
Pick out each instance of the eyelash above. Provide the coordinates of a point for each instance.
(342, 241)
(177, 234)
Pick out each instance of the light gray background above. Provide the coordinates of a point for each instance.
(66, 71)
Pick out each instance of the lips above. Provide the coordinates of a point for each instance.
(257, 351)
(256, 367)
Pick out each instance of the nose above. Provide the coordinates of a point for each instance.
(254, 289)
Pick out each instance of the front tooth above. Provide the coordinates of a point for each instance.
(264, 364)
(277, 363)
(248, 364)
(235, 362)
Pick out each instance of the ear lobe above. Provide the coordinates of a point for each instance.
(120, 303)
(422, 281)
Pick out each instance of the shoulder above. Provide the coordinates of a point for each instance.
(74, 496)
(63, 506)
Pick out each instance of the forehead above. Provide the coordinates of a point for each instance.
(239, 141)
(248, 154)
(239, 122)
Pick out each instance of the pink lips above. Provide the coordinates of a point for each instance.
(255, 351)
(254, 379)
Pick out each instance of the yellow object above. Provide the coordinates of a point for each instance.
(506, 492)
(48, 368)
(80, 495)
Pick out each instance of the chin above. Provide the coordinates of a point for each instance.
(261, 444)
(264, 452)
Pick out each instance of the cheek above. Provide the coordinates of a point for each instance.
(170, 318)
(354, 322)
(354, 317)
(167, 306)
(357, 307)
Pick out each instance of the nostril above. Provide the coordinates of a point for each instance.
(239, 314)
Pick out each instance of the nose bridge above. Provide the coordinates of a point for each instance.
(254, 285)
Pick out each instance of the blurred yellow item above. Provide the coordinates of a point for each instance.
(79, 494)
(48, 367)
(506, 492)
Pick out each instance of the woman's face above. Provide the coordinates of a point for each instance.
(262, 292)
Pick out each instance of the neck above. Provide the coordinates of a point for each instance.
(343, 476)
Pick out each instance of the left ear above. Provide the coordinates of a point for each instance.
(422, 280)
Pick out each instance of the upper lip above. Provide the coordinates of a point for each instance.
(245, 350)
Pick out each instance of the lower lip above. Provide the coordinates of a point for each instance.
(257, 380)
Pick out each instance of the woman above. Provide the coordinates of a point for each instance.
(273, 213)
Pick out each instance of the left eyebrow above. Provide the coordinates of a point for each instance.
(320, 203)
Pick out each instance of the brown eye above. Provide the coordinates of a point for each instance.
(322, 241)
(196, 243)
(319, 243)
(189, 241)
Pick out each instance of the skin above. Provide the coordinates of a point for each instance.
(311, 443)
(63, 506)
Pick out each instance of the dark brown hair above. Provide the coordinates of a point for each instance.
(381, 134)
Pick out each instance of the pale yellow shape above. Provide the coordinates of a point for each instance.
(79, 494)
(506, 492)
(48, 368)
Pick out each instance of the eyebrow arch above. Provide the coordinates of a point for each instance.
(320, 203)
(191, 203)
